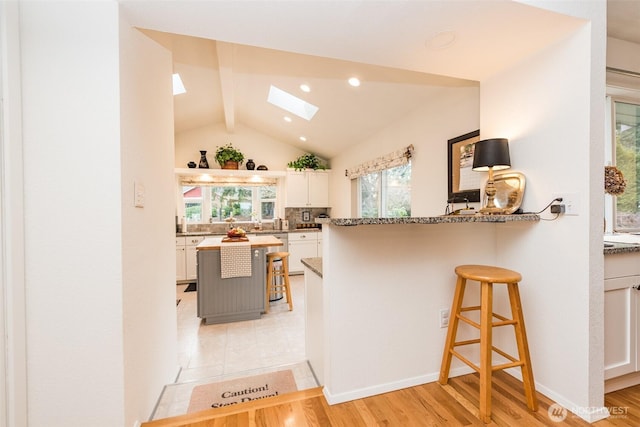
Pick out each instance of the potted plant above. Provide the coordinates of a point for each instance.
(229, 157)
(306, 161)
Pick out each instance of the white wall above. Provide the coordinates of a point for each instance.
(73, 217)
(148, 285)
(263, 149)
(452, 113)
(551, 108)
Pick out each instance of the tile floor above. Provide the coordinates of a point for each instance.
(210, 353)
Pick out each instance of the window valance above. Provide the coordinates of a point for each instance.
(232, 181)
(391, 160)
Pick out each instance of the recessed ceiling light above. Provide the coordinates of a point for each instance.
(287, 119)
(354, 81)
(303, 138)
(442, 39)
(178, 87)
(290, 103)
(305, 88)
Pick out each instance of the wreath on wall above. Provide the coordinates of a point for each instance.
(614, 182)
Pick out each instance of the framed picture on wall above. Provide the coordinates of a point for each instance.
(463, 182)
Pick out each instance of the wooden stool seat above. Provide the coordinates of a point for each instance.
(273, 273)
(487, 276)
(487, 273)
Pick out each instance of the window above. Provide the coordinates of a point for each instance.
(215, 203)
(627, 159)
(385, 194)
(192, 203)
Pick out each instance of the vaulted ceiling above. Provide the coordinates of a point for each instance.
(229, 53)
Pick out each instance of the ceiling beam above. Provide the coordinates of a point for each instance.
(225, 64)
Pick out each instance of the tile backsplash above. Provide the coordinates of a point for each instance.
(297, 217)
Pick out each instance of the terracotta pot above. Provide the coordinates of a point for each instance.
(229, 164)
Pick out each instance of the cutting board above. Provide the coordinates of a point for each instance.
(234, 239)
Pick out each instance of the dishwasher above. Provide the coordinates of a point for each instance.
(278, 262)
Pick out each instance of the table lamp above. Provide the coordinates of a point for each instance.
(490, 155)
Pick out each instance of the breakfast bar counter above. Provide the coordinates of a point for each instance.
(375, 310)
(440, 219)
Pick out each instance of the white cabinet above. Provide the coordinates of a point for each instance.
(621, 310)
(301, 245)
(307, 189)
(181, 266)
(186, 254)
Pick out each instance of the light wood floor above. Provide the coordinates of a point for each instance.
(425, 405)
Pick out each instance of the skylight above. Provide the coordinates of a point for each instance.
(292, 104)
(178, 87)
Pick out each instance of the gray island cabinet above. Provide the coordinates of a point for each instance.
(232, 299)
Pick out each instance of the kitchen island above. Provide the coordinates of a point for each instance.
(232, 299)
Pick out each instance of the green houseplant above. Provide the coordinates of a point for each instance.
(306, 161)
(229, 157)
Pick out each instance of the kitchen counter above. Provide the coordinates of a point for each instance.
(214, 243)
(257, 232)
(314, 264)
(441, 219)
(621, 243)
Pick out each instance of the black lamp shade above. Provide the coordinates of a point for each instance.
(491, 153)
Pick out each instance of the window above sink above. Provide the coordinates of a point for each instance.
(210, 196)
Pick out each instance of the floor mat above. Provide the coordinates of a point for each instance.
(217, 395)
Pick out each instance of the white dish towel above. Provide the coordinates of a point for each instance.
(235, 260)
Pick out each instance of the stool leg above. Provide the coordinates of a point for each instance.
(269, 282)
(452, 331)
(285, 271)
(523, 347)
(486, 317)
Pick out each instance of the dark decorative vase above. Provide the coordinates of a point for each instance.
(250, 165)
(204, 164)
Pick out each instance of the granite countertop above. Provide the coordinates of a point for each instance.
(620, 248)
(621, 243)
(314, 264)
(442, 219)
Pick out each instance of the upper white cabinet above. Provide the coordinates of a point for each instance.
(307, 189)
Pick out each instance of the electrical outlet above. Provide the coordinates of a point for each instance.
(444, 317)
(571, 202)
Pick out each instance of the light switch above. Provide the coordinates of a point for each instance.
(138, 198)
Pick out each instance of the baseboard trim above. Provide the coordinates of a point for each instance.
(335, 398)
(590, 414)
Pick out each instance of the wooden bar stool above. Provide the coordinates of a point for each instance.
(274, 272)
(487, 276)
